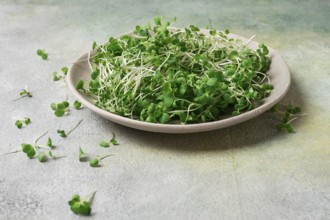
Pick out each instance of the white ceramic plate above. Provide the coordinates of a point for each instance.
(278, 73)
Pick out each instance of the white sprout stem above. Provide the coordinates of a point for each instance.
(36, 141)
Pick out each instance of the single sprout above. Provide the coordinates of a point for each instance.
(77, 105)
(50, 143)
(56, 77)
(60, 108)
(64, 70)
(82, 156)
(81, 206)
(63, 134)
(42, 53)
(24, 93)
(94, 162)
(288, 114)
(20, 122)
(113, 141)
(104, 144)
(29, 150)
(80, 85)
(42, 157)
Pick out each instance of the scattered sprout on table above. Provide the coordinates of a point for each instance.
(81, 206)
(113, 141)
(42, 53)
(64, 134)
(20, 122)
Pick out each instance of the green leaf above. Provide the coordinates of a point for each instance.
(95, 74)
(79, 207)
(27, 120)
(64, 70)
(94, 162)
(77, 104)
(80, 84)
(42, 157)
(53, 106)
(82, 156)
(158, 20)
(62, 133)
(50, 143)
(59, 113)
(19, 124)
(104, 144)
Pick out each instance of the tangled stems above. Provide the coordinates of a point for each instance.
(162, 74)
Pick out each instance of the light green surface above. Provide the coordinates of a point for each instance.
(249, 171)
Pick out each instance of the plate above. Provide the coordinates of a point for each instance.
(278, 73)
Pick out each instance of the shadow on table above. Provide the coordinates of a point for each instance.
(255, 131)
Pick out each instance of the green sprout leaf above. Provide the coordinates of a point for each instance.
(80, 85)
(50, 143)
(60, 108)
(288, 114)
(104, 144)
(81, 206)
(19, 124)
(42, 53)
(64, 70)
(28, 149)
(114, 140)
(94, 162)
(62, 133)
(82, 156)
(42, 157)
(77, 104)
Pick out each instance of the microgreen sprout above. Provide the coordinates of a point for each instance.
(50, 143)
(162, 74)
(77, 105)
(56, 77)
(20, 122)
(288, 114)
(64, 134)
(43, 153)
(93, 159)
(42, 53)
(60, 108)
(81, 206)
(113, 141)
(24, 93)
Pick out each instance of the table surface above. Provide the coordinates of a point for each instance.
(248, 171)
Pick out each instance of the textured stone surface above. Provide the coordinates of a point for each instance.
(249, 171)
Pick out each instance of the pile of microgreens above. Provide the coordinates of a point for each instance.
(161, 74)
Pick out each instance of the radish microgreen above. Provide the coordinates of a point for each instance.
(81, 206)
(113, 141)
(77, 105)
(163, 75)
(64, 134)
(288, 114)
(42, 53)
(60, 108)
(20, 122)
(94, 160)
(56, 77)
